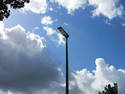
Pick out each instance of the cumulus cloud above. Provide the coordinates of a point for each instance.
(108, 8)
(95, 81)
(25, 65)
(49, 30)
(36, 6)
(2, 33)
(46, 20)
(71, 5)
(87, 82)
(60, 39)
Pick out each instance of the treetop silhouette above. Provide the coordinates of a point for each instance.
(4, 4)
(110, 89)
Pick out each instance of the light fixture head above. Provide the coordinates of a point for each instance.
(63, 32)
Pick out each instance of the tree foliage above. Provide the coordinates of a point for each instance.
(110, 89)
(4, 4)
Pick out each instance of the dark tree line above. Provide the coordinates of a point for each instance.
(4, 4)
(110, 89)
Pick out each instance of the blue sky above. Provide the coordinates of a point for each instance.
(96, 31)
(90, 37)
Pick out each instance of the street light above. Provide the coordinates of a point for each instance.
(62, 31)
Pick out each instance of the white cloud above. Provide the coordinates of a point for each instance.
(47, 20)
(51, 9)
(36, 6)
(26, 68)
(86, 82)
(123, 24)
(2, 32)
(49, 30)
(107, 8)
(95, 81)
(60, 39)
(66, 24)
(8, 92)
(71, 5)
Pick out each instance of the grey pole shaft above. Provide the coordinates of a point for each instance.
(67, 70)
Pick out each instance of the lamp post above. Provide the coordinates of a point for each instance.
(62, 31)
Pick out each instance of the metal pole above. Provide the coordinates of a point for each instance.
(67, 70)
